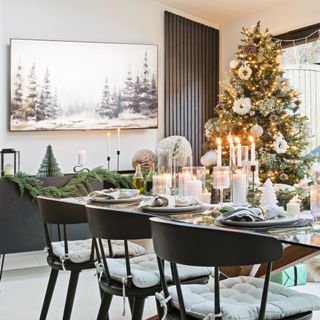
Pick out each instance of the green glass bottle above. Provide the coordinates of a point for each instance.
(137, 180)
(148, 182)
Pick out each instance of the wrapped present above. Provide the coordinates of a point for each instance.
(293, 276)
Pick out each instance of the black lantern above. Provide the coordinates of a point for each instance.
(10, 157)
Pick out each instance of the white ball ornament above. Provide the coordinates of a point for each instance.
(233, 63)
(256, 131)
(209, 159)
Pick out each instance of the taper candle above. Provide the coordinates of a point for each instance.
(253, 151)
(219, 153)
(82, 155)
(108, 144)
(118, 140)
(239, 159)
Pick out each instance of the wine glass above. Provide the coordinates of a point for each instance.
(221, 180)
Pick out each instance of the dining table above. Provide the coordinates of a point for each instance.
(299, 243)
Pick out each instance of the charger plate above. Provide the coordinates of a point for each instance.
(268, 223)
(172, 209)
(122, 200)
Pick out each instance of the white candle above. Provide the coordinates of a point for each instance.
(118, 140)
(183, 180)
(8, 170)
(205, 197)
(253, 151)
(108, 144)
(232, 154)
(159, 184)
(219, 153)
(293, 207)
(194, 188)
(82, 154)
(168, 177)
(239, 158)
(239, 188)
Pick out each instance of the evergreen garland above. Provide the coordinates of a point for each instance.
(78, 186)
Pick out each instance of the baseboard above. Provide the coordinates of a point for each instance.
(25, 260)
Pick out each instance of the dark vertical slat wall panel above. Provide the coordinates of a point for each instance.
(191, 78)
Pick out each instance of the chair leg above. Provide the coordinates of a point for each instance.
(131, 303)
(138, 307)
(74, 276)
(50, 288)
(104, 307)
(159, 309)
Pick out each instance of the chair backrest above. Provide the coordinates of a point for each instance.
(106, 224)
(203, 246)
(56, 215)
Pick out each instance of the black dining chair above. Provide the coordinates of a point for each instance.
(64, 254)
(198, 245)
(135, 278)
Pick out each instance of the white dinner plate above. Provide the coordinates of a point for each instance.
(172, 209)
(122, 200)
(267, 223)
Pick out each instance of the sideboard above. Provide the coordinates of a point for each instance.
(20, 227)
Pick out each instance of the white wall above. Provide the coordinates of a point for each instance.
(127, 21)
(289, 15)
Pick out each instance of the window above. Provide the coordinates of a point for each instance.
(301, 65)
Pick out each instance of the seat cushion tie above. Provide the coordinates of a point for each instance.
(63, 259)
(124, 283)
(163, 303)
(212, 316)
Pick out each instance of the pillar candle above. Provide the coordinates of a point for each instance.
(219, 153)
(293, 207)
(239, 188)
(183, 180)
(194, 188)
(118, 140)
(82, 155)
(159, 184)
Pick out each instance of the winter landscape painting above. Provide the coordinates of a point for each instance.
(59, 85)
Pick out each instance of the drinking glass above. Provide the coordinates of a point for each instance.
(221, 180)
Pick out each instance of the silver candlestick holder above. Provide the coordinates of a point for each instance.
(79, 168)
(118, 160)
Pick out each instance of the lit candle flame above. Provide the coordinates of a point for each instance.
(237, 139)
(219, 141)
(230, 139)
(251, 139)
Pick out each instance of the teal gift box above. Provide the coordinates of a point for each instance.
(293, 276)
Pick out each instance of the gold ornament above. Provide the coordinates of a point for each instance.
(256, 131)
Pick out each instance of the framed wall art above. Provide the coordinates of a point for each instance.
(61, 85)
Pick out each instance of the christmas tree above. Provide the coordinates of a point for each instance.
(258, 101)
(49, 166)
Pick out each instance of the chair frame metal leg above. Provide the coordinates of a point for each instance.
(138, 307)
(2, 265)
(49, 292)
(74, 276)
(104, 307)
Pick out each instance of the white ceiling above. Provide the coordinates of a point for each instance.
(221, 11)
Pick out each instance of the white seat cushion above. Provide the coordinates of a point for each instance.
(241, 298)
(145, 271)
(80, 250)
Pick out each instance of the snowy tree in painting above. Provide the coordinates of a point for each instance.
(48, 107)
(32, 101)
(17, 98)
(59, 86)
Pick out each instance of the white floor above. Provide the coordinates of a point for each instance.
(22, 292)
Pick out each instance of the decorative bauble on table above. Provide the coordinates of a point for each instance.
(49, 166)
(209, 158)
(181, 148)
(145, 158)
